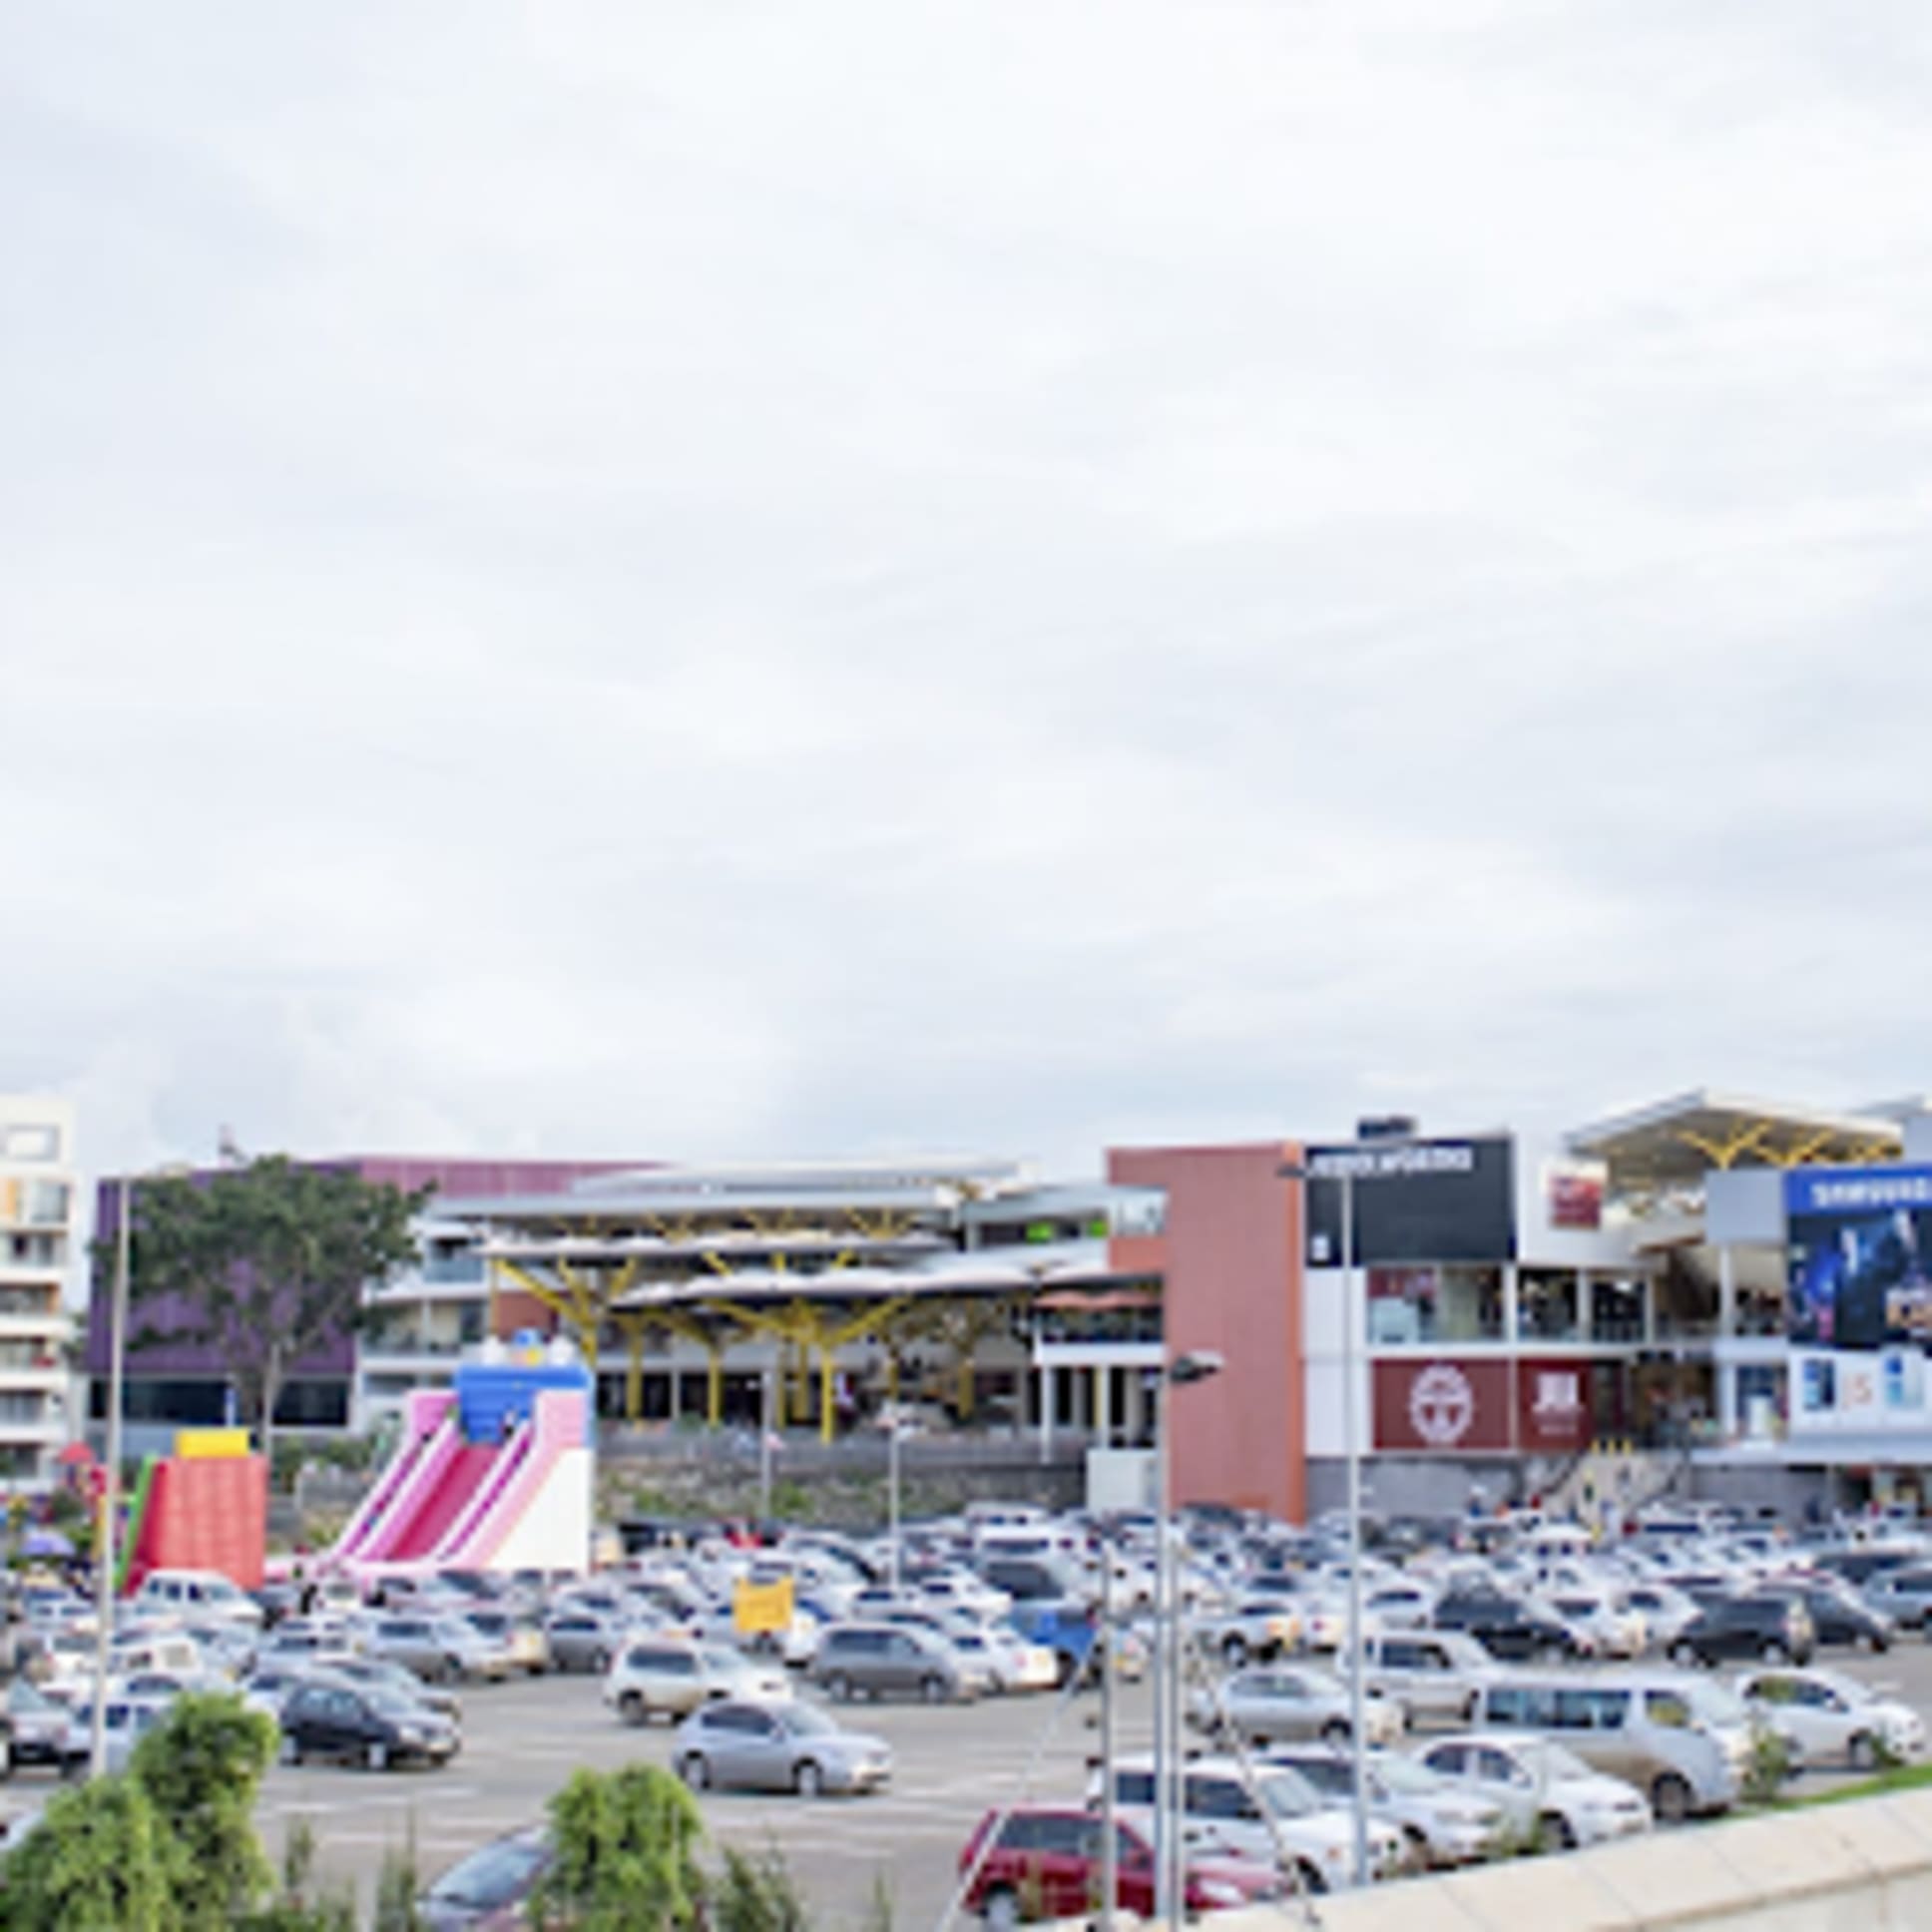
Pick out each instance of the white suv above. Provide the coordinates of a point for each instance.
(197, 1597)
(1266, 1812)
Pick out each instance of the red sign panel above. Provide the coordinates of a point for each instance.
(1449, 1405)
(1552, 1411)
(1575, 1197)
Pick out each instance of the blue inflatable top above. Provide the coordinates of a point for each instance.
(492, 1396)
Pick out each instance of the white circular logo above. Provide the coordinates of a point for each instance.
(1442, 1405)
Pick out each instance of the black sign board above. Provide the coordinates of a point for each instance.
(1415, 1200)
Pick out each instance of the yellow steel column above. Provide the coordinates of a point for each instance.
(633, 1372)
(828, 1414)
(715, 1385)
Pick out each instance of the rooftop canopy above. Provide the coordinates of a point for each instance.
(1675, 1142)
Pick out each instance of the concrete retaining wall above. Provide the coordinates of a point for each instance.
(1865, 1866)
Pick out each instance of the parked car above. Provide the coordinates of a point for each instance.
(1545, 1791)
(581, 1640)
(126, 1720)
(199, 1595)
(1682, 1740)
(1775, 1628)
(1666, 1610)
(1825, 1717)
(1255, 1630)
(1286, 1703)
(1839, 1616)
(1047, 1862)
(1009, 1662)
(1904, 1595)
(1259, 1812)
(523, 1643)
(1510, 1630)
(667, 1677)
(380, 1674)
(1428, 1673)
(364, 1726)
(489, 1889)
(785, 1746)
(1612, 1630)
(437, 1648)
(1441, 1823)
(890, 1659)
(36, 1730)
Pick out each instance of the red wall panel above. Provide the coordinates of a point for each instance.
(1443, 1405)
(1230, 1255)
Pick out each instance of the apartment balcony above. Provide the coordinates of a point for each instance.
(35, 1378)
(16, 1431)
(50, 1326)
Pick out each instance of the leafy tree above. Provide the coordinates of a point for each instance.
(202, 1767)
(262, 1264)
(625, 1855)
(100, 1860)
(759, 1894)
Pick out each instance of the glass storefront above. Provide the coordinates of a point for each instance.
(1431, 1305)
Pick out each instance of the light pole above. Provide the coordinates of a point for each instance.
(111, 1476)
(764, 1444)
(1199, 1365)
(1110, 1850)
(893, 1493)
(1343, 1169)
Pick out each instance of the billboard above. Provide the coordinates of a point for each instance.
(1572, 1194)
(1859, 1247)
(1859, 1252)
(1445, 1405)
(1414, 1201)
(1553, 1409)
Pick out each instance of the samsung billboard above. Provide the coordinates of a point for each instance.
(1859, 1298)
(1859, 1244)
(1415, 1200)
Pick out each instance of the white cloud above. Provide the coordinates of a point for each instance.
(722, 578)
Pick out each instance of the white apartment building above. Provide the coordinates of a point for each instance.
(38, 1243)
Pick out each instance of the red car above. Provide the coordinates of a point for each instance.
(1045, 1865)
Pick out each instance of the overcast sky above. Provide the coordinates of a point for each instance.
(705, 579)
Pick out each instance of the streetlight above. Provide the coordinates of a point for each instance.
(111, 1483)
(1199, 1365)
(1319, 1167)
(895, 1426)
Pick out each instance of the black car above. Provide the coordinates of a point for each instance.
(1776, 1629)
(1837, 1618)
(363, 1727)
(1507, 1629)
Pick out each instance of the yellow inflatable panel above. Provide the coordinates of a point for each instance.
(209, 1445)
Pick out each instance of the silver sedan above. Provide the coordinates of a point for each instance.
(786, 1747)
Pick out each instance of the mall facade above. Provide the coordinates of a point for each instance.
(1717, 1291)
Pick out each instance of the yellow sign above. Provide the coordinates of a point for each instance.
(761, 1608)
(211, 1444)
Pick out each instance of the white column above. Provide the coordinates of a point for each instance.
(1727, 1292)
(1509, 1303)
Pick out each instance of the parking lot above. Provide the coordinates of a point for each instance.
(523, 1740)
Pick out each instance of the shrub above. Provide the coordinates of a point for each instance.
(625, 1855)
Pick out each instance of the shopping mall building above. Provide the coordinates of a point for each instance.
(1726, 1292)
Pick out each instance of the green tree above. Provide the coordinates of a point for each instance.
(201, 1768)
(100, 1860)
(261, 1265)
(759, 1894)
(625, 1855)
